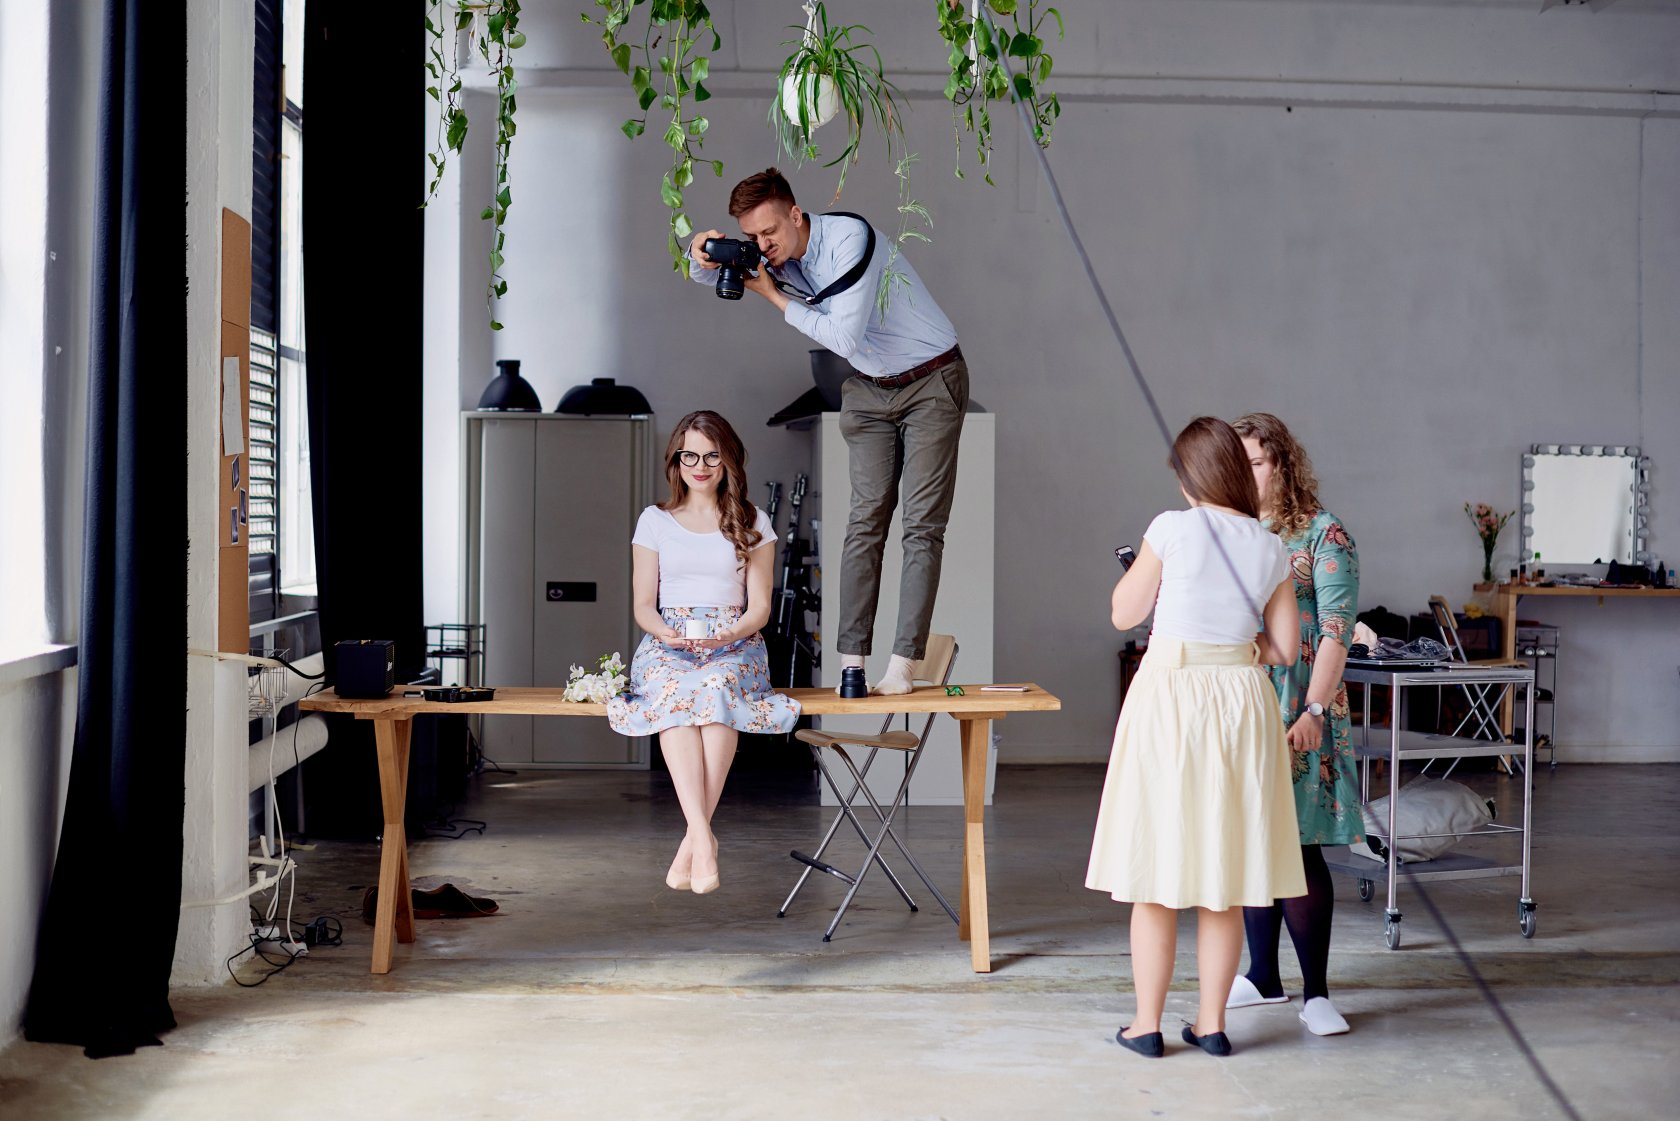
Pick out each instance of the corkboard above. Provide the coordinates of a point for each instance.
(233, 560)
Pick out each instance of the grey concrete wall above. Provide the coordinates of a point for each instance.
(1426, 234)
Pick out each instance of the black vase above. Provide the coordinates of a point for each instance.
(508, 392)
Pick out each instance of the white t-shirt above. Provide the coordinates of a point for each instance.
(697, 569)
(1201, 600)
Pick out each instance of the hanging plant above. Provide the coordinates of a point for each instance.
(830, 75)
(914, 222)
(670, 37)
(494, 25)
(979, 75)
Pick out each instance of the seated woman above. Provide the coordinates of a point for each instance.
(701, 563)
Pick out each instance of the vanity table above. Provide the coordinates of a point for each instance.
(1506, 608)
(1509, 594)
(1583, 506)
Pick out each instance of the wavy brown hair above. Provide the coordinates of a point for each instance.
(1212, 466)
(1294, 493)
(736, 516)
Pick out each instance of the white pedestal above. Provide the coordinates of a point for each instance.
(963, 607)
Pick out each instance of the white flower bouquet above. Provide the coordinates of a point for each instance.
(599, 687)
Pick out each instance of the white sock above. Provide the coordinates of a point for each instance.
(1244, 994)
(897, 680)
(848, 660)
(1321, 1017)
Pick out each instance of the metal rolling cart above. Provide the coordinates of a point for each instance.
(1487, 686)
(1538, 642)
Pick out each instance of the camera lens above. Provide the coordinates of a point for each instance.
(731, 283)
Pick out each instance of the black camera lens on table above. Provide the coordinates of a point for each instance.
(853, 683)
(734, 258)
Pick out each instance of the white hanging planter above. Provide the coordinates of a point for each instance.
(818, 94)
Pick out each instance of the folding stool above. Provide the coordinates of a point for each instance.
(935, 669)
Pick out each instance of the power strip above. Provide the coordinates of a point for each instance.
(268, 932)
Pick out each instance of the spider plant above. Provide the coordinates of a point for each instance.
(830, 64)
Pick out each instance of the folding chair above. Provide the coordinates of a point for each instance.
(1484, 700)
(934, 669)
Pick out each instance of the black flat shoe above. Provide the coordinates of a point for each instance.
(1214, 1042)
(1148, 1045)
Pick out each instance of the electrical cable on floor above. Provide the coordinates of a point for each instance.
(480, 761)
(446, 828)
(1487, 992)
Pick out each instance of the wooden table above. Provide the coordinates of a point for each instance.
(1508, 594)
(393, 717)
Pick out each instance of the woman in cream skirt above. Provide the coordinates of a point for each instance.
(1198, 808)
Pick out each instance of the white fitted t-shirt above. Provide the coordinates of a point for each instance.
(1200, 598)
(697, 569)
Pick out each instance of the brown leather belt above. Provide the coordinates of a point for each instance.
(917, 373)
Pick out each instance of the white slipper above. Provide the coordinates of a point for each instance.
(1244, 994)
(1321, 1017)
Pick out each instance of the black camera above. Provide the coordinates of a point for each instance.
(734, 259)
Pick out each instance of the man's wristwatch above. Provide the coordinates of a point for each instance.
(1314, 709)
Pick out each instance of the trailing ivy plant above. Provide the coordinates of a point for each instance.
(500, 35)
(831, 74)
(914, 222)
(978, 76)
(673, 31)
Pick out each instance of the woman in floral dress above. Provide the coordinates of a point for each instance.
(1325, 567)
(701, 567)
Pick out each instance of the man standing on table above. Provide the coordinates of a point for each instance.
(901, 416)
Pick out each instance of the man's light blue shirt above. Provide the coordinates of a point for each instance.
(850, 323)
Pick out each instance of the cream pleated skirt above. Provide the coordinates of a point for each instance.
(1198, 809)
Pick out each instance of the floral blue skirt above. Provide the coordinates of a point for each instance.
(674, 688)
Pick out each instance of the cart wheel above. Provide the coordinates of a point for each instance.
(1391, 933)
(1527, 919)
(1366, 890)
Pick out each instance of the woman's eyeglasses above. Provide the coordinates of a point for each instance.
(692, 459)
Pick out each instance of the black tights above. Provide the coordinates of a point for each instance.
(1308, 919)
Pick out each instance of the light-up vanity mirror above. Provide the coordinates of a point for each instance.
(1585, 504)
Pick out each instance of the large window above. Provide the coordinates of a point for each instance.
(23, 261)
(282, 537)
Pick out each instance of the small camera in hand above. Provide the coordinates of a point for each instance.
(735, 259)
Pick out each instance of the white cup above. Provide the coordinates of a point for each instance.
(694, 628)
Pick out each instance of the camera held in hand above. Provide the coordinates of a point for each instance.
(734, 258)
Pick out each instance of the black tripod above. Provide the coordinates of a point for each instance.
(795, 654)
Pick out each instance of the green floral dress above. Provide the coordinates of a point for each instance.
(1325, 566)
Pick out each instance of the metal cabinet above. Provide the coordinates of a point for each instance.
(549, 502)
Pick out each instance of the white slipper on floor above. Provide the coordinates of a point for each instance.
(1244, 994)
(1321, 1017)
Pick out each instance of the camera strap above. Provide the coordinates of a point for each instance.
(850, 277)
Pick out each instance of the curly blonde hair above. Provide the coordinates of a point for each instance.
(1293, 499)
(736, 515)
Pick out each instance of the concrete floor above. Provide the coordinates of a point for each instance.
(599, 993)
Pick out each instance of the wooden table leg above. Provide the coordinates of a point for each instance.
(975, 925)
(1507, 601)
(394, 914)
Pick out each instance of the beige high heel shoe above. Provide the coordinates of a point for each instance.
(705, 885)
(678, 881)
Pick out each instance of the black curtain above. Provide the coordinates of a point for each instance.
(363, 175)
(119, 855)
